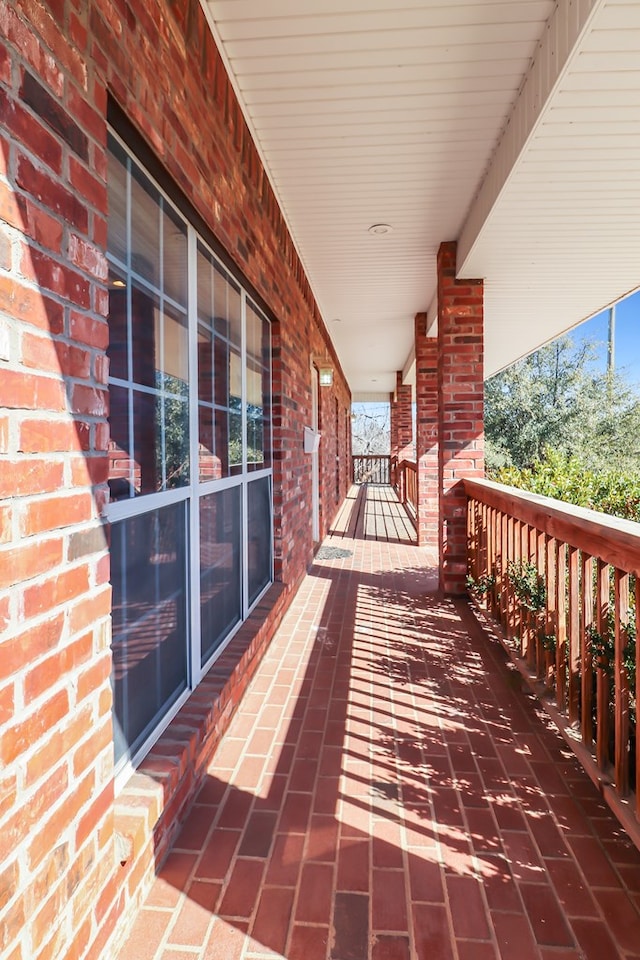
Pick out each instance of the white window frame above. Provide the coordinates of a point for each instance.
(192, 492)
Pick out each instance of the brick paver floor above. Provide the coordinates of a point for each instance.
(387, 791)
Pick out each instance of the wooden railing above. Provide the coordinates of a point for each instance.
(407, 486)
(371, 468)
(563, 583)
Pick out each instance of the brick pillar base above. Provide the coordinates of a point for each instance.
(460, 413)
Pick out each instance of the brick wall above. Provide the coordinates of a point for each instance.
(427, 428)
(461, 393)
(63, 892)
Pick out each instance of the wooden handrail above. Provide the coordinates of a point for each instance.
(564, 583)
(614, 540)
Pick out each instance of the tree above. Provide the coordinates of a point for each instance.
(370, 430)
(557, 399)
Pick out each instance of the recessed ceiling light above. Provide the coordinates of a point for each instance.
(380, 229)
(337, 320)
(374, 380)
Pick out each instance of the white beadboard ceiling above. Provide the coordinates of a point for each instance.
(512, 126)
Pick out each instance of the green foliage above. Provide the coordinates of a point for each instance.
(612, 491)
(603, 648)
(557, 399)
(528, 586)
(481, 586)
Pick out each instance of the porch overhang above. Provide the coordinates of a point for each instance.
(512, 128)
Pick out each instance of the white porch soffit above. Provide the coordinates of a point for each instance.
(510, 124)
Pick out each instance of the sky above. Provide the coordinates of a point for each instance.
(627, 336)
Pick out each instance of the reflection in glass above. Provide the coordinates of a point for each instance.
(120, 459)
(174, 247)
(145, 227)
(259, 535)
(235, 441)
(117, 220)
(176, 443)
(118, 349)
(176, 351)
(205, 364)
(220, 567)
(147, 442)
(227, 307)
(205, 287)
(149, 577)
(221, 448)
(145, 336)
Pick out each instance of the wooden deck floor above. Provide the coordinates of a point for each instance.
(373, 512)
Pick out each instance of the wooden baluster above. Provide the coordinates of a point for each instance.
(541, 617)
(573, 647)
(585, 644)
(518, 620)
(488, 597)
(561, 634)
(602, 680)
(503, 581)
(552, 619)
(526, 615)
(637, 692)
(621, 683)
(471, 538)
(511, 616)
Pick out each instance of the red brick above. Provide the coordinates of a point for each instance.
(42, 353)
(41, 516)
(273, 917)
(48, 436)
(15, 740)
(31, 392)
(27, 128)
(47, 190)
(55, 276)
(241, 894)
(314, 897)
(18, 564)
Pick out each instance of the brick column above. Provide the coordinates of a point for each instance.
(393, 431)
(460, 414)
(404, 419)
(427, 432)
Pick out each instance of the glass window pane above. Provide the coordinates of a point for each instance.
(221, 372)
(205, 288)
(150, 630)
(227, 305)
(176, 351)
(147, 443)
(176, 442)
(258, 390)
(145, 227)
(220, 567)
(119, 444)
(145, 336)
(209, 465)
(117, 222)
(259, 535)
(118, 349)
(205, 364)
(174, 251)
(221, 448)
(235, 442)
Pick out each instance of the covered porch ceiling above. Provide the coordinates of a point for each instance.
(512, 126)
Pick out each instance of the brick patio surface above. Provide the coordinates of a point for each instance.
(388, 791)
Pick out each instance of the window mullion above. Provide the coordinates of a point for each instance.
(194, 467)
(245, 493)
